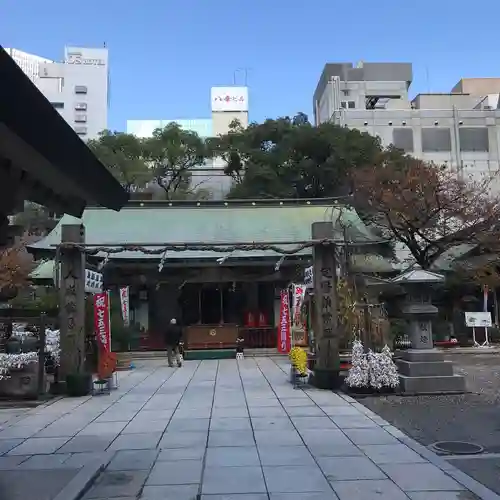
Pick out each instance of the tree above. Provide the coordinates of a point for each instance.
(15, 266)
(173, 154)
(290, 158)
(124, 156)
(35, 220)
(429, 208)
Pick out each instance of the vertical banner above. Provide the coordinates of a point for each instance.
(485, 298)
(299, 292)
(125, 304)
(102, 324)
(284, 340)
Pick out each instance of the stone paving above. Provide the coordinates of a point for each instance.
(222, 430)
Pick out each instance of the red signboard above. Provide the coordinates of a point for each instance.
(284, 340)
(101, 321)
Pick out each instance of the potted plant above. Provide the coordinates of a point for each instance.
(298, 358)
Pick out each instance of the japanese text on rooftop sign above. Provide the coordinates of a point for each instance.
(229, 98)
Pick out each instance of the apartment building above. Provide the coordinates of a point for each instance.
(459, 128)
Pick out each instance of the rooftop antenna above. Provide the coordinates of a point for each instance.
(245, 72)
(104, 44)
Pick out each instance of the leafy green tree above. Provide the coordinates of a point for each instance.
(35, 220)
(124, 156)
(290, 158)
(173, 154)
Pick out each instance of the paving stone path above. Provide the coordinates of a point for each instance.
(222, 430)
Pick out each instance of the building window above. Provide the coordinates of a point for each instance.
(81, 130)
(81, 106)
(345, 92)
(474, 139)
(58, 105)
(80, 118)
(348, 104)
(402, 138)
(80, 89)
(436, 140)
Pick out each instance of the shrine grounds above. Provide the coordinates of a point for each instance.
(472, 418)
(218, 430)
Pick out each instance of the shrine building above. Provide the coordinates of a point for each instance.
(216, 291)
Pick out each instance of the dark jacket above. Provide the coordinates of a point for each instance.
(173, 335)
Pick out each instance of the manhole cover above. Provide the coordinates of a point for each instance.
(457, 448)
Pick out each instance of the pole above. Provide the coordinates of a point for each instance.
(41, 355)
(221, 305)
(367, 340)
(199, 304)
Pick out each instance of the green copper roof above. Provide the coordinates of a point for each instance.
(44, 271)
(208, 223)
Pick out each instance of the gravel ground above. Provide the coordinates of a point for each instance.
(472, 417)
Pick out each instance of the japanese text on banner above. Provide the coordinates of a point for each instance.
(284, 340)
(101, 321)
(125, 305)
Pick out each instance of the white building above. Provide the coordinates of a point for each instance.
(78, 87)
(227, 104)
(460, 128)
(29, 63)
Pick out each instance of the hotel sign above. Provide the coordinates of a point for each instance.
(77, 58)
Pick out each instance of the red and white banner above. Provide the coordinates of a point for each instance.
(102, 324)
(284, 340)
(125, 305)
(299, 292)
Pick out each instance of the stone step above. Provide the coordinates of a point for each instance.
(425, 368)
(454, 384)
(422, 355)
(200, 354)
(258, 353)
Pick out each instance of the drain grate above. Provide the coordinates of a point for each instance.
(456, 448)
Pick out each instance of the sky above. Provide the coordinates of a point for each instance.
(166, 54)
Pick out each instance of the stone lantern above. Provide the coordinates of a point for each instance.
(422, 368)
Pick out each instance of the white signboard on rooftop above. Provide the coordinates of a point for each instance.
(229, 98)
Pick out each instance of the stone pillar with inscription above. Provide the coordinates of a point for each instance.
(422, 368)
(72, 301)
(325, 317)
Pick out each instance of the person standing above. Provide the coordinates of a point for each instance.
(173, 337)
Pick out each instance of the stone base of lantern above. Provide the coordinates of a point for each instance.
(424, 371)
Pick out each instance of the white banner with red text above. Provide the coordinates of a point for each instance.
(284, 337)
(102, 323)
(125, 304)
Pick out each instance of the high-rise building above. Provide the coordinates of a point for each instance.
(29, 63)
(460, 128)
(78, 87)
(228, 104)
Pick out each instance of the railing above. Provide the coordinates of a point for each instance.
(259, 337)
